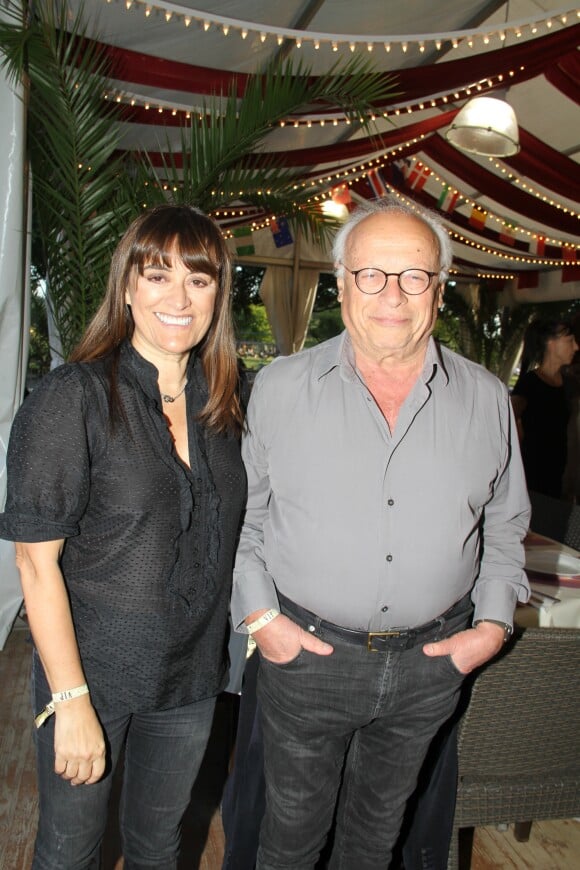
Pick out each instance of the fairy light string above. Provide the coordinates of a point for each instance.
(228, 26)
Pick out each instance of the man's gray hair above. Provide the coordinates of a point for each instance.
(392, 205)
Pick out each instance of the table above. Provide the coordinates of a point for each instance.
(556, 600)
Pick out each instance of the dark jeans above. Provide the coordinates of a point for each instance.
(363, 719)
(163, 752)
(244, 797)
(426, 835)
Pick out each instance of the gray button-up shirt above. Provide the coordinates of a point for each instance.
(373, 529)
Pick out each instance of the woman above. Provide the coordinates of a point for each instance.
(125, 488)
(540, 404)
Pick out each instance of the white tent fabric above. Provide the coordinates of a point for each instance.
(289, 298)
(14, 318)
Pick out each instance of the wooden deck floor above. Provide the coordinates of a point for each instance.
(552, 845)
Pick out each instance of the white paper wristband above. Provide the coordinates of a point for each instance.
(263, 620)
(68, 694)
(57, 698)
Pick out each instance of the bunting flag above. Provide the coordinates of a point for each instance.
(507, 234)
(244, 244)
(477, 218)
(418, 176)
(537, 246)
(399, 171)
(281, 232)
(341, 195)
(448, 199)
(570, 272)
(376, 182)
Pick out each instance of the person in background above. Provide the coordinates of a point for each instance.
(541, 404)
(125, 490)
(386, 499)
(571, 477)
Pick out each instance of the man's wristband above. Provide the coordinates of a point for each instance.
(58, 698)
(263, 620)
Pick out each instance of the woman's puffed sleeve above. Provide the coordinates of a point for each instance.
(48, 464)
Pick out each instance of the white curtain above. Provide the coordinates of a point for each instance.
(14, 316)
(289, 301)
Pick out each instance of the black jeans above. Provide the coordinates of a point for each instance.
(163, 753)
(426, 835)
(357, 721)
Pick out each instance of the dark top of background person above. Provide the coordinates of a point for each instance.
(540, 403)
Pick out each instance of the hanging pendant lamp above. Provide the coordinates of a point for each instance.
(487, 126)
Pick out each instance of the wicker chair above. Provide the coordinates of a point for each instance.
(519, 739)
(557, 519)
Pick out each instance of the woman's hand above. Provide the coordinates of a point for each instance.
(79, 743)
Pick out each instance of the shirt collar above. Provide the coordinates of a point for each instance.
(332, 354)
(434, 362)
(338, 352)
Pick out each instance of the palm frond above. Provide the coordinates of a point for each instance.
(213, 167)
(80, 197)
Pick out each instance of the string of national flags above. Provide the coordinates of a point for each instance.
(404, 174)
(279, 228)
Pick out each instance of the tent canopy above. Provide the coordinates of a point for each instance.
(167, 58)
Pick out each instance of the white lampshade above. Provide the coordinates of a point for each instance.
(485, 125)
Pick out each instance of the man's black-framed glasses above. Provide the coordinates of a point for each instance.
(413, 282)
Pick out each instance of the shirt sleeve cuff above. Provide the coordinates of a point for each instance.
(251, 592)
(496, 599)
(18, 527)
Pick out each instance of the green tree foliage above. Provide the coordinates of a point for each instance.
(82, 196)
(483, 330)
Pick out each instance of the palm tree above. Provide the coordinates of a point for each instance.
(84, 193)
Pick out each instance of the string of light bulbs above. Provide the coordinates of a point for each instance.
(352, 174)
(160, 106)
(486, 249)
(496, 276)
(503, 255)
(512, 222)
(529, 189)
(336, 41)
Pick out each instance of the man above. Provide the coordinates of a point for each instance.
(386, 494)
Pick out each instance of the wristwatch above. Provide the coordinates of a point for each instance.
(507, 629)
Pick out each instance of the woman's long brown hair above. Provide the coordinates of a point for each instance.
(154, 238)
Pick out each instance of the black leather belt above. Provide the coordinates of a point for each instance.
(374, 641)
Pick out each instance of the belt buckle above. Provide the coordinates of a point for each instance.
(373, 634)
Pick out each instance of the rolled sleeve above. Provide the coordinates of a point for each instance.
(502, 581)
(48, 468)
(253, 586)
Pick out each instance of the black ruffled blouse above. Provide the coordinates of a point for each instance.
(149, 542)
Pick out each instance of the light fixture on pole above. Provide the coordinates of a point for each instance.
(487, 126)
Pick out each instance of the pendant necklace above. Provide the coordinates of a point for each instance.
(168, 399)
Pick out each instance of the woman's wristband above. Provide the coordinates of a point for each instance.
(58, 698)
(263, 620)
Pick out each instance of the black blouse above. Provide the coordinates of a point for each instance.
(149, 542)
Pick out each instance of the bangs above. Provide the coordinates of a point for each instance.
(181, 234)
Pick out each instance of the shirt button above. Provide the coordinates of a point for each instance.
(389, 558)
(384, 609)
(391, 502)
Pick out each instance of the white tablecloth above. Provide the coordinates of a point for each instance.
(556, 601)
